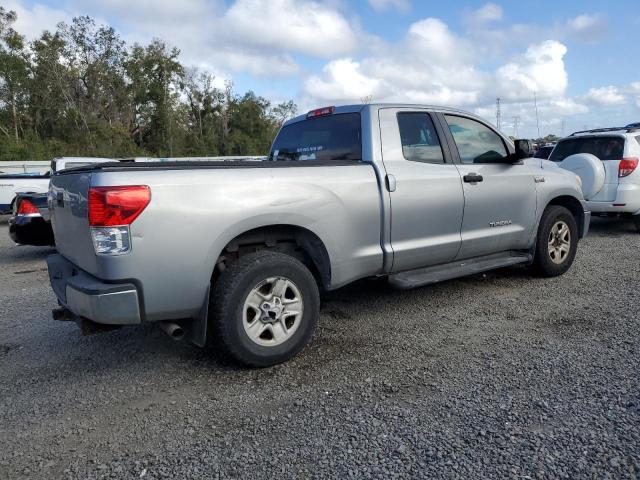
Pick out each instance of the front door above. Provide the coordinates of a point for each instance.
(425, 189)
(499, 196)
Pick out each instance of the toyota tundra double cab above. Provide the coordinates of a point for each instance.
(238, 252)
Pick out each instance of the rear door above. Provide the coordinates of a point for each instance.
(500, 198)
(425, 189)
(608, 148)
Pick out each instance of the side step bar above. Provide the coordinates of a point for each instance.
(461, 268)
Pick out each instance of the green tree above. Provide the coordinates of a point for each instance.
(14, 76)
(154, 75)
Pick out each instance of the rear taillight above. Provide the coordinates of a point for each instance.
(627, 166)
(111, 211)
(25, 207)
(115, 206)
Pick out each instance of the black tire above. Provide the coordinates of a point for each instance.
(542, 262)
(228, 296)
(636, 221)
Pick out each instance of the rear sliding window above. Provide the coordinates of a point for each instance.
(329, 138)
(605, 148)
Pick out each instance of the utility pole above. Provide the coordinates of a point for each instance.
(498, 113)
(516, 120)
(535, 103)
(564, 124)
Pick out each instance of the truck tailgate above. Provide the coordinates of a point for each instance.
(69, 218)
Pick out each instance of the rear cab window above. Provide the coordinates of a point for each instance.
(602, 146)
(327, 138)
(419, 138)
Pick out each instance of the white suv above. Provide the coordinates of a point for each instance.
(619, 151)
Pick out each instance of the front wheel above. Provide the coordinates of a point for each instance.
(557, 242)
(264, 308)
(636, 221)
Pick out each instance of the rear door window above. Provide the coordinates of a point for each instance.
(329, 138)
(476, 142)
(603, 147)
(420, 141)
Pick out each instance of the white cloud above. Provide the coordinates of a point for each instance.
(588, 27)
(288, 25)
(488, 13)
(565, 107)
(429, 65)
(384, 5)
(33, 21)
(540, 69)
(343, 80)
(609, 95)
(258, 37)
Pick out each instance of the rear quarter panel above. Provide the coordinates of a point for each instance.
(194, 213)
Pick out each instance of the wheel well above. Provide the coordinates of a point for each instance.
(574, 206)
(296, 241)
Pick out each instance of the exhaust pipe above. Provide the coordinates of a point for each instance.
(172, 329)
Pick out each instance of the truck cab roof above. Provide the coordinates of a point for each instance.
(357, 108)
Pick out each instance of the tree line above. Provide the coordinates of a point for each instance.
(82, 91)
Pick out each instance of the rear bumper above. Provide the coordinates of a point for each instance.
(89, 297)
(627, 201)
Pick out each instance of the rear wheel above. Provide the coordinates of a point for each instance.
(557, 242)
(264, 308)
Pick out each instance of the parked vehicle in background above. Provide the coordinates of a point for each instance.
(618, 149)
(12, 184)
(258, 240)
(544, 151)
(30, 223)
(39, 167)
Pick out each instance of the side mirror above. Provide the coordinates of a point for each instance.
(524, 148)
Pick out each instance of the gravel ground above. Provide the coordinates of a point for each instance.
(492, 376)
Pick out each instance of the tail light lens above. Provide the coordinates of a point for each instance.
(111, 211)
(26, 207)
(117, 206)
(627, 166)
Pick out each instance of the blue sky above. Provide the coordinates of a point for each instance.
(577, 56)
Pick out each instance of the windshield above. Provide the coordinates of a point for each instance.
(603, 147)
(328, 138)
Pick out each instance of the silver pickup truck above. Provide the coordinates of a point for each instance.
(237, 252)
